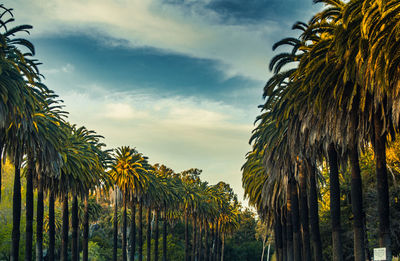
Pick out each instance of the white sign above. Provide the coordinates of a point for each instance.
(380, 253)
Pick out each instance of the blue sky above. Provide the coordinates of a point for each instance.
(180, 80)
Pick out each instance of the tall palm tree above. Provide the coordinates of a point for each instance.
(81, 169)
(43, 149)
(128, 171)
(132, 236)
(156, 196)
(303, 206)
(19, 97)
(167, 196)
(229, 214)
(377, 65)
(140, 234)
(115, 230)
(190, 180)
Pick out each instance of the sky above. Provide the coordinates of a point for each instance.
(180, 80)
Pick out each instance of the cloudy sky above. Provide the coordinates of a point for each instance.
(180, 80)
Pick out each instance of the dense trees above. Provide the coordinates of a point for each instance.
(333, 94)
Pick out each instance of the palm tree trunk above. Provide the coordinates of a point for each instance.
(337, 254)
(206, 233)
(141, 230)
(305, 231)
(16, 211)
(367, 251)
(215, 245)
(289, 224)
(86, 229)
(52, 227)
(194, 237)
(357, 206)
(200, 241)
(284, 235)
(115, 245)
(29, 210)
(212, 238)
(382, 186)
(223, 246)
(65, 227)
(156, 235)
(278, 236)
(75, 228)
(133, 232)
(206, 245)
(186, 236)
(124, 228)
(314, 218)
(39, 219)
(212, 246)
(148, 234)
(295, 220)
(217, 238)
(165, 236)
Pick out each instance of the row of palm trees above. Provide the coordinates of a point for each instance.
(334, 92)
(212, 210)
(59, 158)
(68, 163)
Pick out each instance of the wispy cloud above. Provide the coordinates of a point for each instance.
(241, 48)
(68, 68)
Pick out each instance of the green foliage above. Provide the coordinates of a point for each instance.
(243, 245)
(6, 213)
(94, 252)
(246, 251)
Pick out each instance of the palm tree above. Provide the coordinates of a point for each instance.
(335, 203)
(303, 206)
(115, 234)
(82, 167)
(85, 254)
(149, 218)
(313, 212)
(17, 106)
(140, 197)
(190, 179)
(17, 98)
(156, 196)
(167, 195)
(133, 230)
(44, 144)
(52, 228)
(128, 171)
(313, 64)
(229, 214)
(29, 209)
(140, 235)
(344, 109)
(65, 225)
(380, 79)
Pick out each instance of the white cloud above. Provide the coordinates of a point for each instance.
(179, 132)
(118, 111)
(68, 68)
(241, 49)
